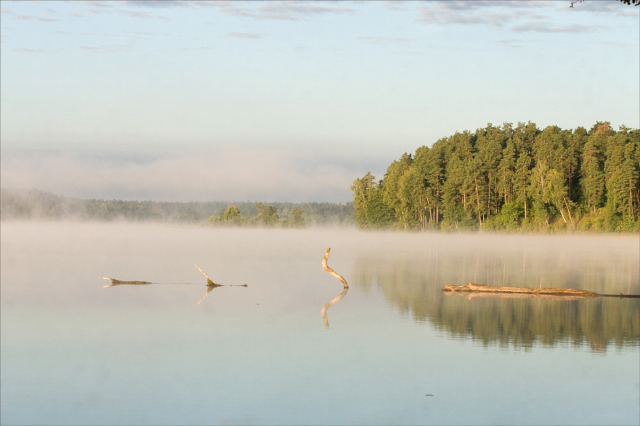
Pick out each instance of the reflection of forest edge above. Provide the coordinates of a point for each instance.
(415, 285)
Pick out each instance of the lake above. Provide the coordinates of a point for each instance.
(395, 349)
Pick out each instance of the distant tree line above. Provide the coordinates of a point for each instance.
(34, 204)
(266, 216)
(510, 178)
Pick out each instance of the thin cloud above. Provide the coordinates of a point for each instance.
(383, 40)
(35, 18)
(612, 7)
(515, 43)
(394, 5)
(245, 35)
(99, 3)
(125, 12)
(27, 50)
(281, 10)
(491, 13)
(107, 48)
(617, 44)
(543, 27)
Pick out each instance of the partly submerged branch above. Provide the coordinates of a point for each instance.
(209, 282)
(331, 303)
(331, 271)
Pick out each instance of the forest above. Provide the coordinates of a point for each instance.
(34, 204)
(510, 178)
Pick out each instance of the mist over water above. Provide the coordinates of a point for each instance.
(239, 173)
(76, 353)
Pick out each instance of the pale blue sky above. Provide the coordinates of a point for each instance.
(289, 100)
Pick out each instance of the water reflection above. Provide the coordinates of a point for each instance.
(330, 304)
(414, 285)
(210, 287)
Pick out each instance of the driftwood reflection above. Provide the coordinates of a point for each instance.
(326, 267)
(471, 296)
(209, 288)
(330, 304)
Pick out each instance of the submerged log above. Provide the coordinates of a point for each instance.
(471, 287)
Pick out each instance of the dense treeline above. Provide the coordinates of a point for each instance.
(513, 178)
(33, 204)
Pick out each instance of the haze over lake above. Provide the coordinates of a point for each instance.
(396, 350)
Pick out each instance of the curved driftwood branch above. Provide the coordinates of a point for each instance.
(331, 303)
(209, 282)
(331, 271)
(558, 292)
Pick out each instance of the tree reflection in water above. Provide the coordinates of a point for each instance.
(414, 284)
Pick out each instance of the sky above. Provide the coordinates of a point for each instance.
(289, 101)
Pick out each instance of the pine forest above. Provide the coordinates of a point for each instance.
(510, 178)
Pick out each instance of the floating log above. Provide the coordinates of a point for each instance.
(331, 271)
(118, 282)
(568, 292)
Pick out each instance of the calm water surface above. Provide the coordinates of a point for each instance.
(396, 350)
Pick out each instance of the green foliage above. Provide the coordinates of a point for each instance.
(231, 216)
(510, 178)
(296, 218)
(512, 214)
(368, 200)
(266, 215)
